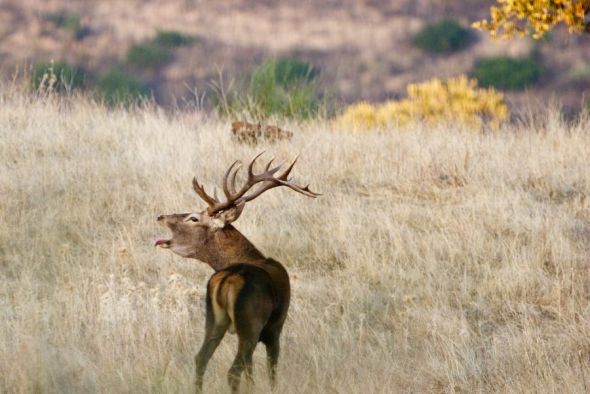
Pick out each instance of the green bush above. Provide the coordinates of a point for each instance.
(172, 39)
(444, 36)
(279, 88)
(56, 76)
(64, 20)
(289, 71)
(117, 87)
(69, 22)
(507, 73)
(148, 55)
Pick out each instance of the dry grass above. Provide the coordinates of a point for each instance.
(436, 261)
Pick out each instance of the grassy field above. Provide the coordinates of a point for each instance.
(437, 260)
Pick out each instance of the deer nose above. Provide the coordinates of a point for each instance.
(160, 218)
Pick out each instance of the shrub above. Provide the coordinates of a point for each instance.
(445, 36)
(172, 39)
(148, 55)
(56, 76)
(117, 87)
(289, 71)
(359, 116)
(64, 20)
(282, 88)
(513, 17)
(69, 22)
(507, 73)
(455, 100)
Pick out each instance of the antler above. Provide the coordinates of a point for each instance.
(266, 179)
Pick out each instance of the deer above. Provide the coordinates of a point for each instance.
(249, 293)
(250, 133)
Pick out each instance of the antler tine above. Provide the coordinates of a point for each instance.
(272, 171)
(226, 190)
(250, 168)
(200, 190)
(285, 174)
(303, 190)
(284, 180)
(233, 178)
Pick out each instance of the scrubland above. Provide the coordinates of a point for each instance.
(438, 259)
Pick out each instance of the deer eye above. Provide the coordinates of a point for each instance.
(194, 219)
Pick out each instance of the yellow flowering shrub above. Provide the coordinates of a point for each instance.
(359, 115)
(511, 17)
(457, 100)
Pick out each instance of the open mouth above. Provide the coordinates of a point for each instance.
(163, 243)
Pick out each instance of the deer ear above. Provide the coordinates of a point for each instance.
(228, 216)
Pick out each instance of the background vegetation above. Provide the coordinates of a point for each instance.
(507, 73)
(172, 39)
(457, 100)
(119, 87)
(148, 55)
(56, 76)
(444, 36)
(363, 51)
(68, 21)
(284, 88)
(511, 17)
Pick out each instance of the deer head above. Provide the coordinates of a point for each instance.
(208, 235)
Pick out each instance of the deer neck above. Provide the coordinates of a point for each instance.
(232, 247)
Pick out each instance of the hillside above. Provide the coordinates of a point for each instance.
(363, 49)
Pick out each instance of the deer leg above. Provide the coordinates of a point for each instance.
(242, 361)
(248, 333)
(213, 335)
(249, 367)
(249, 372)
(272, 358)
(252, 310)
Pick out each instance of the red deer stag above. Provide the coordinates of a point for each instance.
(249, 293)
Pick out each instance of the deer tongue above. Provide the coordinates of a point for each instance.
(164, 243)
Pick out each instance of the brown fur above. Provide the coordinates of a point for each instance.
(225, 288)
(250, 133)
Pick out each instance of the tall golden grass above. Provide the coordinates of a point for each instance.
(437, 260)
